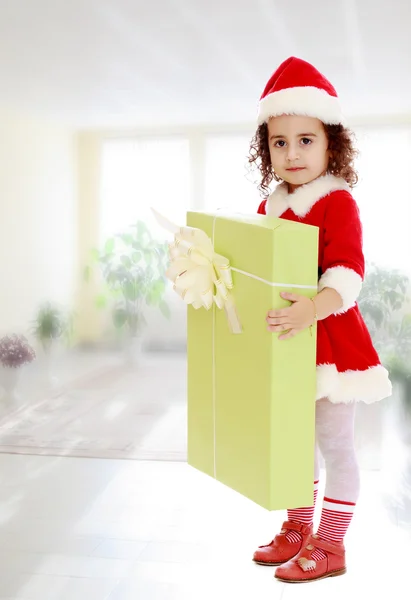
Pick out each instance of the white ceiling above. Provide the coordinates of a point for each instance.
(175, 62)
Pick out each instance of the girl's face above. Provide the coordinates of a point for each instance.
(298, 149)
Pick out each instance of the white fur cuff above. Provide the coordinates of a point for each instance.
(344, 281)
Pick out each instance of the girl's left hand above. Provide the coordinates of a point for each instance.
(295, 318)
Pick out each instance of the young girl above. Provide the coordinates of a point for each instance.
(301, 142)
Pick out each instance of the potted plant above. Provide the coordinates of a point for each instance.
(51, 325)
(15, 351)
(133, 266)
(384, 301)
(385, 304)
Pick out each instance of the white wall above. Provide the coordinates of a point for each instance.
(38, 224)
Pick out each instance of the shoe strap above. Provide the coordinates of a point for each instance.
(294, 526)
(324, 545)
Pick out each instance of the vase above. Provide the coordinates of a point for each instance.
(9, 381)
(48, 367)
(134, 350)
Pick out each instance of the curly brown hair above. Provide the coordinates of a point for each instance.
(340, 143)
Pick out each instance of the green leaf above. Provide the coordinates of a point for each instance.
(150, 300)
(119, 317)
(156, 291)
(127, 238)
(141, 229)
(165, 310)
(136, 257)
(109, 246)
(149, 274)
(148, 256)
(137, 246)
(125, 260)
(101, 301)
(87, 274)
(105, 259)
(112, 278)
(94, 254)
(130, 291)
(160, 286)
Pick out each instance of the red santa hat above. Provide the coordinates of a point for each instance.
(297, 88)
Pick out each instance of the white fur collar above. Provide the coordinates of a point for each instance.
(303, 199)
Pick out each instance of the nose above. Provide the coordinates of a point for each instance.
(292, 153)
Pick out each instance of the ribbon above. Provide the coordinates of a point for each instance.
(199, 275)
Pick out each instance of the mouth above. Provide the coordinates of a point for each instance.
(294, 169)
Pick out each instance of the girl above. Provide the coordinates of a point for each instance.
(301, 142)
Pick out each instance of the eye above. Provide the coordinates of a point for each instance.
(306, 141)
(279, 144)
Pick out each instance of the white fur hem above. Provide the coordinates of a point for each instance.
(353, 386)
(308, 101)
(346, 282)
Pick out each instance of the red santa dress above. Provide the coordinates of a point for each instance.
(348, 366)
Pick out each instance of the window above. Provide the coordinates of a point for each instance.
(138, 174)
(383, 195)
(228, 184)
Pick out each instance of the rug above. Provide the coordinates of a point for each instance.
(117, 412)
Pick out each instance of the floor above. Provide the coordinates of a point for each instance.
(98, 529)
(101, 529)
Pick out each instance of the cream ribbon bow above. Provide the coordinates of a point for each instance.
(200, 275)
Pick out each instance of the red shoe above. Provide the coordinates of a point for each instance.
(303, 568)
(280, 550)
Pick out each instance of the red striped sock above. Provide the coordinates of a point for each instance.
(304, 515)
(336, 517)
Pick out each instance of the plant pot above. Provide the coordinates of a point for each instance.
(134, 349)
(9, 381)
(47, 365)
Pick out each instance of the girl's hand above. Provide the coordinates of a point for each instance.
(300, 315)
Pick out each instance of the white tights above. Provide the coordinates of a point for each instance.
(334, 428)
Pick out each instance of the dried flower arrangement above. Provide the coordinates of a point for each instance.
(15, 351)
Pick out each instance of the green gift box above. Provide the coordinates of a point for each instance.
(251, 397)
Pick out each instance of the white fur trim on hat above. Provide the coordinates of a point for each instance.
(367, 386)
(346, 282)
(306, 101)
(304, 197)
